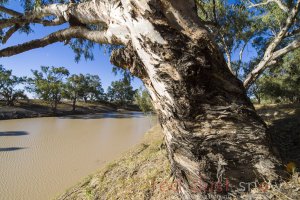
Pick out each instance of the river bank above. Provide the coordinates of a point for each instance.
(38, 108)
(144, 172)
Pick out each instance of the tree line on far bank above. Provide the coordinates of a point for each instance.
(54, 84)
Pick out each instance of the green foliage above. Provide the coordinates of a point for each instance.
(48, 84)
(143, 100)
(86, 87)
(74, 88)
(121, 92)
(281, 83)
(51, 85)
(8, 86)
(231, 21)
(93, 90)
(235, 26)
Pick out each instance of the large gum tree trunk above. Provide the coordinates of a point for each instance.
(214, 138)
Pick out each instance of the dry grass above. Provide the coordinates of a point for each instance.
(144, 172)
(273, 112)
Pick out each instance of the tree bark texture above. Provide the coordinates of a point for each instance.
(211, 129)
(212, 132)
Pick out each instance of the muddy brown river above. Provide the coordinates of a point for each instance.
(41, 157)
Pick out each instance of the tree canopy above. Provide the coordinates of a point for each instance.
(270, 27)
(93, 90)
(48, 84)
(143, 100)
(74, 88)
(281, 83)
(121, 92)
(9, 91)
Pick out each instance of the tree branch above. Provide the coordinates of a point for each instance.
(74, 32)
(214, 11)
(281, 5)
(10, 32)
(227, 53)
(62, 12)
(79, 17)
(241, 57)
(290, 47)
(263, 64)
(10, 12)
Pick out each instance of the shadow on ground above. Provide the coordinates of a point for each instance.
(284, 128)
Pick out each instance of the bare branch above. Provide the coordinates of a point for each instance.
(268, 55)
(62, 13)
(75, 14)
(55, 22)
(21, 21)
(281, 5)
(35, 16)
(228, 54)
(10, 12)
(241, 56)
(290, 47)
(59, 36)
(9, 33)
(281, 52)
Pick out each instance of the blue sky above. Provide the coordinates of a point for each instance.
(60, 55)
(56, 55)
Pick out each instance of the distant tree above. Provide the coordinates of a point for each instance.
(93, 88)
(255, 91)
(282, 83)
(4, 74)
(121, 92)
(74, 88)
(86, 87)
(48, 84)
(8, 87)
(143, 100)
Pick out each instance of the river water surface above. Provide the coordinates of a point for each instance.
(41, 157)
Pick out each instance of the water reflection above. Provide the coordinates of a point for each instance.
(13, 133)
(11, 148)
(106, 115)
